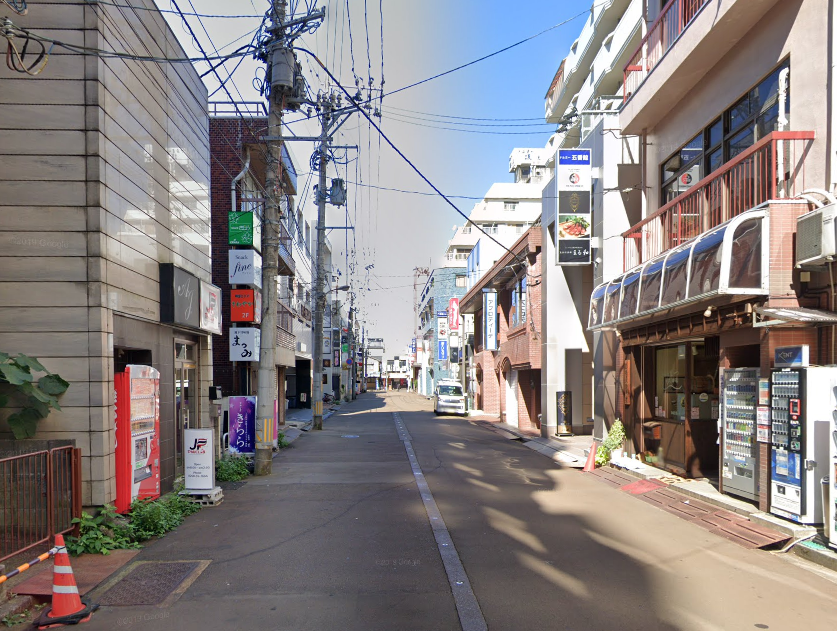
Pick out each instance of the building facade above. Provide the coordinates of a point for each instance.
(105, 193)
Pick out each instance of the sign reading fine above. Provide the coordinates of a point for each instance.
(572, 233)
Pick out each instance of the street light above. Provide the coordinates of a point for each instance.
(341, 288)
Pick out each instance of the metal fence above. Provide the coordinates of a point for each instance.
(40, 494)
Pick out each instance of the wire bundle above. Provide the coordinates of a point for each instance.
(19, 59)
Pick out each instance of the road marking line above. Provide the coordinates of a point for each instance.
(470, 614)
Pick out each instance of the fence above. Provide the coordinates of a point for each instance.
(773, 167)
(672, 21)
(40, 494)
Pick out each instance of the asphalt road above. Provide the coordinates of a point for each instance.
(341, 536)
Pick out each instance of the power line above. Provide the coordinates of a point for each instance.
(453, 122)
(472, 131)
(156, 10)
(467, 118)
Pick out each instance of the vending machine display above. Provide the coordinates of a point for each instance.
(137, 402)
(740, 449)
(801, 402)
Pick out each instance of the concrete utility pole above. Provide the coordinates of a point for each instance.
(352, 355)
(270, 268)
(319, 272)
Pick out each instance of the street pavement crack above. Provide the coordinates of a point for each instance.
(470, 614)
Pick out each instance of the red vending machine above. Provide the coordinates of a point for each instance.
(137, 435)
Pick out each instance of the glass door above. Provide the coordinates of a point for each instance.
(185, 396)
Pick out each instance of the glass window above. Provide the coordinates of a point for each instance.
(714, 160)
(674, 283)
(460, 281)
(450, 390)
(745, 262)
(715, 134)
(597, 305)
(630, 294)
(739, 113)
(522, 301)
(611, 310)
(741, 141)
(651, 278)
(670, 369)
(706, 263)
(693, 149)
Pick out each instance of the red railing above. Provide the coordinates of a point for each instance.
(672, 21)
(772, 168)
(555, 88)
(40, 494)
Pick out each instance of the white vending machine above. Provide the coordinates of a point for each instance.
(740, 465)
(803, 407)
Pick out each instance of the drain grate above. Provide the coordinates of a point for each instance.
(148, 583)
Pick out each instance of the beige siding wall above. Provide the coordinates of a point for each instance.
(793, 28)
(104, 173)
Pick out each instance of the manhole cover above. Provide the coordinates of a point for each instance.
(148, 583)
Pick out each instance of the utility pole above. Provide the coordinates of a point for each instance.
(270, 266)
(417, 271)
(352, 355)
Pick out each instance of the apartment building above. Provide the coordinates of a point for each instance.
(584, 100)
(732, 106)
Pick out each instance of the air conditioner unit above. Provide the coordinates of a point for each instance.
(816, 240)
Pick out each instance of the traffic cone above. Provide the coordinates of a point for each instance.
(67, 608)
(590, 465)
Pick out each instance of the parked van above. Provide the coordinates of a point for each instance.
(449, 398)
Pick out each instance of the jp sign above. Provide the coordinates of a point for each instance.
(198, 460)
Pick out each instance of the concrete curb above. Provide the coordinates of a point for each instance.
(16, 605)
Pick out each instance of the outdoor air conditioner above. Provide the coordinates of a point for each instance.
(816, 240)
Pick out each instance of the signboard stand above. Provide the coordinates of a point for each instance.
(199, 467)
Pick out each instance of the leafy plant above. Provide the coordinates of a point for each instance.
(232, 469)
(281, 442)
(615, 440)
(14, 619)
(34, 398)
(101, 534)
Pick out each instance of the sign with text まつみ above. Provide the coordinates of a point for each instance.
(199, 460)
(574, 217)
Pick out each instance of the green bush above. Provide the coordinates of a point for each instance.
(615, 440)
(156, 518)
(232, 469)
(100, 534)
(281, 442)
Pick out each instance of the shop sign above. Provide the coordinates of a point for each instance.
(442, 355)
(442, 314)
(764, 392)
(573, 226)
(179, 296)
(790, 356)
(245, 268)
(763, 424)
(453, 314)
(442, 327)
(244, 344)
(210, 308)
(245, 229)
(336, 358)
(198, 461)
(242, 425)
(489, 323)
(246, 305)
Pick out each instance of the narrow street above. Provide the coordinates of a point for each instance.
(339, 537)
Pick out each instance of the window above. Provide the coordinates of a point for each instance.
(466, 229)
(460, 281)
(517, 314)
(670, 369)
(750, 119)
(509, 205)
(745, 263)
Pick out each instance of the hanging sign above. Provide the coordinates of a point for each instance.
(489, 326)
(573, 226)
(179, 296)
(453, 314)
(245, 229)
(245, 268)
(442, 323)
(244, 344)
(442, 355)
(790, 356)
(242, 425)
(246, 305)
(210, 308)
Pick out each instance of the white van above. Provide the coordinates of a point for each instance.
(449, 398)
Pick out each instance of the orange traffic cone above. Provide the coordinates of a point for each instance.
(67, 607)
(590, 465)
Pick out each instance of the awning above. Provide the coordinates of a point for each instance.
(732, 258)
(779, 316)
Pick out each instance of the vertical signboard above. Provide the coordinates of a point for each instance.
(244, 344)
(245, 268)
(572, 229)
(179, 296)
(242, 425)
(489, 324)
(210, 308)
(246, 305)
(199, 461)
(442, 325)
(245, 229)
(453, 314)
(442, 355)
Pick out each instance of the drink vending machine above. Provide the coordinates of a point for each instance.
(740, 449)
(802, 404)
(137, 435)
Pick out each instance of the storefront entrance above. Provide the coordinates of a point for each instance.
(680, 425)
(185, 396)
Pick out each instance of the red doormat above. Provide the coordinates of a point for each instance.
(642, 486)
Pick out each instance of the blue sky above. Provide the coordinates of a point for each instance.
(396, 232)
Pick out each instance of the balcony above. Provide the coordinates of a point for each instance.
(287, 267)
(686, 41)
(773, 168)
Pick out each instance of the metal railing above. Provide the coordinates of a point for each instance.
(40, 494)
(661, 36)
(555, 88)
(772, 168)
(237, 108)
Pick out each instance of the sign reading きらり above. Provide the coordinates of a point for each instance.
(574, 217)
(242, 425)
